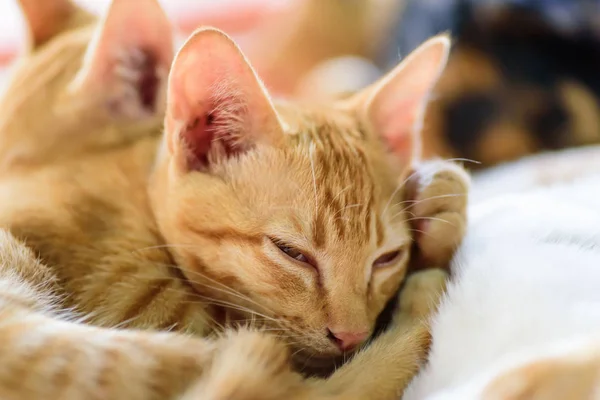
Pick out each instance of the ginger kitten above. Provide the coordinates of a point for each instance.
(83, 85)
(172, 260)
(311, 201)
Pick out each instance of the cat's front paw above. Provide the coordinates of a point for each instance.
(420, 296)
(248, 365)
(438, 193)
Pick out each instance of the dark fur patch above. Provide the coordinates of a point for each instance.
(467, 117)
(533, 59)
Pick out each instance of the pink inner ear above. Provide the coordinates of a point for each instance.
(211, 134)
(397, 125)
(197, 137)
(148, 84)
(401, 143)
(143, 76)
(216, 106)
(131, 53)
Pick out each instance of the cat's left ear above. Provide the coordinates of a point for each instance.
(394, 106)
(217, 107)
(46, 19)
(128, 59)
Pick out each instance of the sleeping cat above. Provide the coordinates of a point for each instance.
(522, 323)
(328, 167)
(276, 179)
(520, 318)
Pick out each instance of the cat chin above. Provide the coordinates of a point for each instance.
(316, 365)
(309, 362)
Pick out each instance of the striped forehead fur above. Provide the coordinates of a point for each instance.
(344, 181)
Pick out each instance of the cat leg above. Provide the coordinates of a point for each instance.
(574, 376)
(46, 354)
(439, 192)
(420, 296)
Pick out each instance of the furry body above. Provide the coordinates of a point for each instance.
(525, 290)
(293, 219)
(237, 181)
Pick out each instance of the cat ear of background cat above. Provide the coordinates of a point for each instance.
(47, 18)
(128, 59)
(394, 106)
(215, 99)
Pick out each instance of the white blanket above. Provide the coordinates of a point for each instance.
(526, 284)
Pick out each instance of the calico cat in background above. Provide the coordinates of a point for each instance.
(516, 84)
(296, 219)
(518, 81)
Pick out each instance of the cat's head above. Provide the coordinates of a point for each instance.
(293, 215)
(82, 83)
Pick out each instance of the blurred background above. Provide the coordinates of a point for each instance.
(523, 78)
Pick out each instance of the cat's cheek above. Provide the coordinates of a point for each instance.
(385, 285)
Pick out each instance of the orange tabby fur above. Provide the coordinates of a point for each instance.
(59, 104)
(49, 354)
(126, 259)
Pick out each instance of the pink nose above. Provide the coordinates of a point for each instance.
(348, 340)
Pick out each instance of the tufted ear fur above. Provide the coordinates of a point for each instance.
(394, 106)
(128, 59)
(216, 105)
(47, 18)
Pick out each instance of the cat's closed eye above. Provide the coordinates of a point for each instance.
(293, 253)
(387, 259)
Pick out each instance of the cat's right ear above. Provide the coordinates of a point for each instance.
(394, 106)
(128, 59)
(216, 105)
(47, 18)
